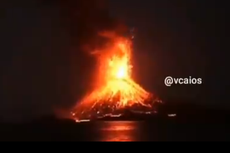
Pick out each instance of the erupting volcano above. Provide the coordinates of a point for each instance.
(115, 90)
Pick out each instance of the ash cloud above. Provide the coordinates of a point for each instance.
(44, 62)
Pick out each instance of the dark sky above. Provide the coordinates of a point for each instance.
(180, 39)
(43, 66)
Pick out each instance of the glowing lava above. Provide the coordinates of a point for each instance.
(115, 90)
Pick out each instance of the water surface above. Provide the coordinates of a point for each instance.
(151, 131)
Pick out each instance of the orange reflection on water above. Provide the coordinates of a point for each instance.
(119, 131)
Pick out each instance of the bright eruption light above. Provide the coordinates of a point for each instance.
(115, 89)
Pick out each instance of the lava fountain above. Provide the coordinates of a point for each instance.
(115, 89)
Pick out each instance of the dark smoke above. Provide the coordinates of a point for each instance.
(45, 60)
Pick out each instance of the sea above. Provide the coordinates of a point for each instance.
(118, 131)
(121, 131)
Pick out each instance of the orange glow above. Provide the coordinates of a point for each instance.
(115, 89)
(119, 131)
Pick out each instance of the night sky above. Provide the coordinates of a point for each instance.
(44, 66)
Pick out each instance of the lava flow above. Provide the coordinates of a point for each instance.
(115, 89)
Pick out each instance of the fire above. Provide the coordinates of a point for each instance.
(115, 89)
